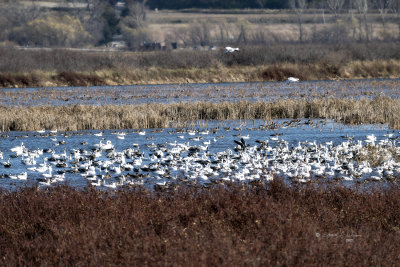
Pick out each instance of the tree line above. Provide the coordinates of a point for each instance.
(231, 4)
(98, 22)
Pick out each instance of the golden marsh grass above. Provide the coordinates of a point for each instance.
(380, 110)
(159, 75)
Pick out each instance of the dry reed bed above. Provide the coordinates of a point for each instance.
(380, 110)
(219, 73)
(231, 225)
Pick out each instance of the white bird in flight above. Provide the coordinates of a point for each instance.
(229, 49)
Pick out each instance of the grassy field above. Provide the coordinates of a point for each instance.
(276, 25)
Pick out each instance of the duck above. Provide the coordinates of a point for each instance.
(7, 164)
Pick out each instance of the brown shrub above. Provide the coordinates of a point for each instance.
(281, 74)
(222, 225)
(7, 80)
(12, 80)
(62, 60)
(79, 79)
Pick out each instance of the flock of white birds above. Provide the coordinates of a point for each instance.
(188, 159)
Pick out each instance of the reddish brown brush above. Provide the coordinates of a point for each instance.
(78, 79)
(222, 225)
(12, 80)
(281, 74)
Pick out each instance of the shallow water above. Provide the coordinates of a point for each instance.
(221, 136)
(173, 93)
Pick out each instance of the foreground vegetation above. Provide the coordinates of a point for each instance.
(379, 110)
(221, 225)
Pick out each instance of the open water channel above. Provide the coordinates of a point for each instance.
(221, 92)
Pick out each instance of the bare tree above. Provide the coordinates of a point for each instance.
(298, 6)
(134, 24)
(134, 13)
(224, 33)
(335, 6)
(396, 10)
(179, 35)
(362, 8)
(94, 23)
(384, 6)
(19, 15)
(14, 15)
(78, 9)
(243, 38)
(200, 33)
(261, 3)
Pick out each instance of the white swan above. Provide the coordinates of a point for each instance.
(106, 146)
(293, 79)
(18, 149)
(49, 174)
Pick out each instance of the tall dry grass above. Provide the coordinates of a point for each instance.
(272, 62)
(379, 110)
(232, 225)
(217, 74)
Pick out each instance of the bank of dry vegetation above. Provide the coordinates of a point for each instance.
(379, 110)
(222, 225)
(20, 68)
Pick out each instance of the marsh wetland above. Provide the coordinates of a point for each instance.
(201, 134)
(260, 173)
(266, 133)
